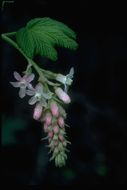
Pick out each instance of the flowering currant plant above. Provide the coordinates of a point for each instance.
(40, 36)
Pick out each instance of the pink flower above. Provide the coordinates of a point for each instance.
(48, 118)
(54, 109)
(60, 121)
(61, 138)
(37, 111)
(56, 129)
(50, 134)
(22, 83)
(62, 95)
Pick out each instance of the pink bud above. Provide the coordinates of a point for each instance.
(45, 128)
(56, 129)
(61, 137)
(50, 134)
(37, 111)
(48, 118)
(61, 122)
(54, 109)
(62, 95)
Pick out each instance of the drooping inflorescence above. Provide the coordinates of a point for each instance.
(49, 110)
(41, 36)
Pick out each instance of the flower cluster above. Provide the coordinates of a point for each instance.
(54, 126)
(49, 110)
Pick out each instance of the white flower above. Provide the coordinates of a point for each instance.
(22, 83)
(66, 80)
(38, 95)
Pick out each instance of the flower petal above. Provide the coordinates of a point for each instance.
(30, 77)
(32, 100)
(30, 87)
(71, 73)
(22, 92)
(30, 92)
(39, 88)
(47, 95)
(15, 84)
(17, 76)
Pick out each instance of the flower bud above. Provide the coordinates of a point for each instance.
(56, 129)
(62, 95)
(54, 109)
(37, 111)
(48, 118)
(61, 138)
(60, 122)
(50, 134)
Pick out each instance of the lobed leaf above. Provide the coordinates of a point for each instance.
(42, 35)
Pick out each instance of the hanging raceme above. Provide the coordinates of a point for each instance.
(41, 36)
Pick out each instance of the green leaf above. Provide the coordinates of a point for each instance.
(25, 42)
(42, 35)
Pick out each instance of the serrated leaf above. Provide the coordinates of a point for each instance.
(48, 22)
(44, 48)
(25, 42)
(42, 35)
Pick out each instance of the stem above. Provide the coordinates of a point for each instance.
(9, 34)
(49, 74)
(14, 44)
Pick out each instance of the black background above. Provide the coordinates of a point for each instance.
(97, 114)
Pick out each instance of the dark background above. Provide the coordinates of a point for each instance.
(97, 114)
